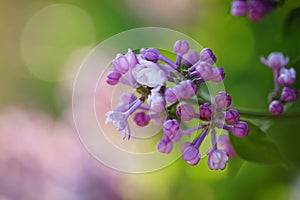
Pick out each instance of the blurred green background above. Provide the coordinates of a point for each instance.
(44, 42)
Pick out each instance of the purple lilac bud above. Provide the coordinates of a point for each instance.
(131, 58)
(258, 9)
(206, 55)
(190, 154)
(141, 119)
(224, 143)
(185, 90)
(217, 159)
(164, 146)
(240, 129)
(190, 58)
(239, 8)
(185, 112)
(289, 94)
(232, 116)
(113, 77)
(204, 69)
(188, 89)
(287, 77)
(218, 75)
(181, 47)
(151, 54)
(121, 64)
(206, 111)
(170, 95)
(223, 100)
(171, 129)
(276, 107)
(275, 60)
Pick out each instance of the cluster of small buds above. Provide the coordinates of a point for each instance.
(256, 9)
(283, 80)
(161, 87)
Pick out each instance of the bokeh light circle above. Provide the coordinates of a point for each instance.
(92, 98)
(50, 37)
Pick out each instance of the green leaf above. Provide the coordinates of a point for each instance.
(234, 166)
(257, 147)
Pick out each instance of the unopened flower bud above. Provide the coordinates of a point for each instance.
(113, 77)
(239, 8)
(218, 75)
(191, 154)
(240, 129)
(223, 100)
(206, 111)
(185, 112)
(121, 64)
(141, 119)
(181, 47)
(206, 55)
(276, 107)
(164, 146)
(287, 77)
(232, 116)
(289, 94)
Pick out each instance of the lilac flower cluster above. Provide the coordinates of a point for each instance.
(256, 9)
(162, 85)
(282, 77)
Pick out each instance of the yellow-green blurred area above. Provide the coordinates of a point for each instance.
(43, 43)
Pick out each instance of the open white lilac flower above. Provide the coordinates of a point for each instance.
(160, 85)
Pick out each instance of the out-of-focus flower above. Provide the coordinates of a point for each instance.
(41, 158)
(256, 9)
(282, 77)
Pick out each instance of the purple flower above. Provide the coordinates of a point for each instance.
(240, 129)
(289, 94)
(224, 143)
(190, 58)
(223, 100)
(171, 129)
(185, 90)
(232, 116)
(164, 146)
(206, 55)
(276, 107)
(156, 101)
(131, 59)
(258, 9)
(188, 88)
(141, 119)
(239, 8)
(121, 64)
(185, 112)
(170, 94)
(113, 77)
(287, 77)
(181, 47)
(217, 159)
(204, 69)
(120, 119)
(125, 102)
(149, 74)
(217, 75)
(190, 153)
(275, 60)
(206, 111)
(151, 54)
